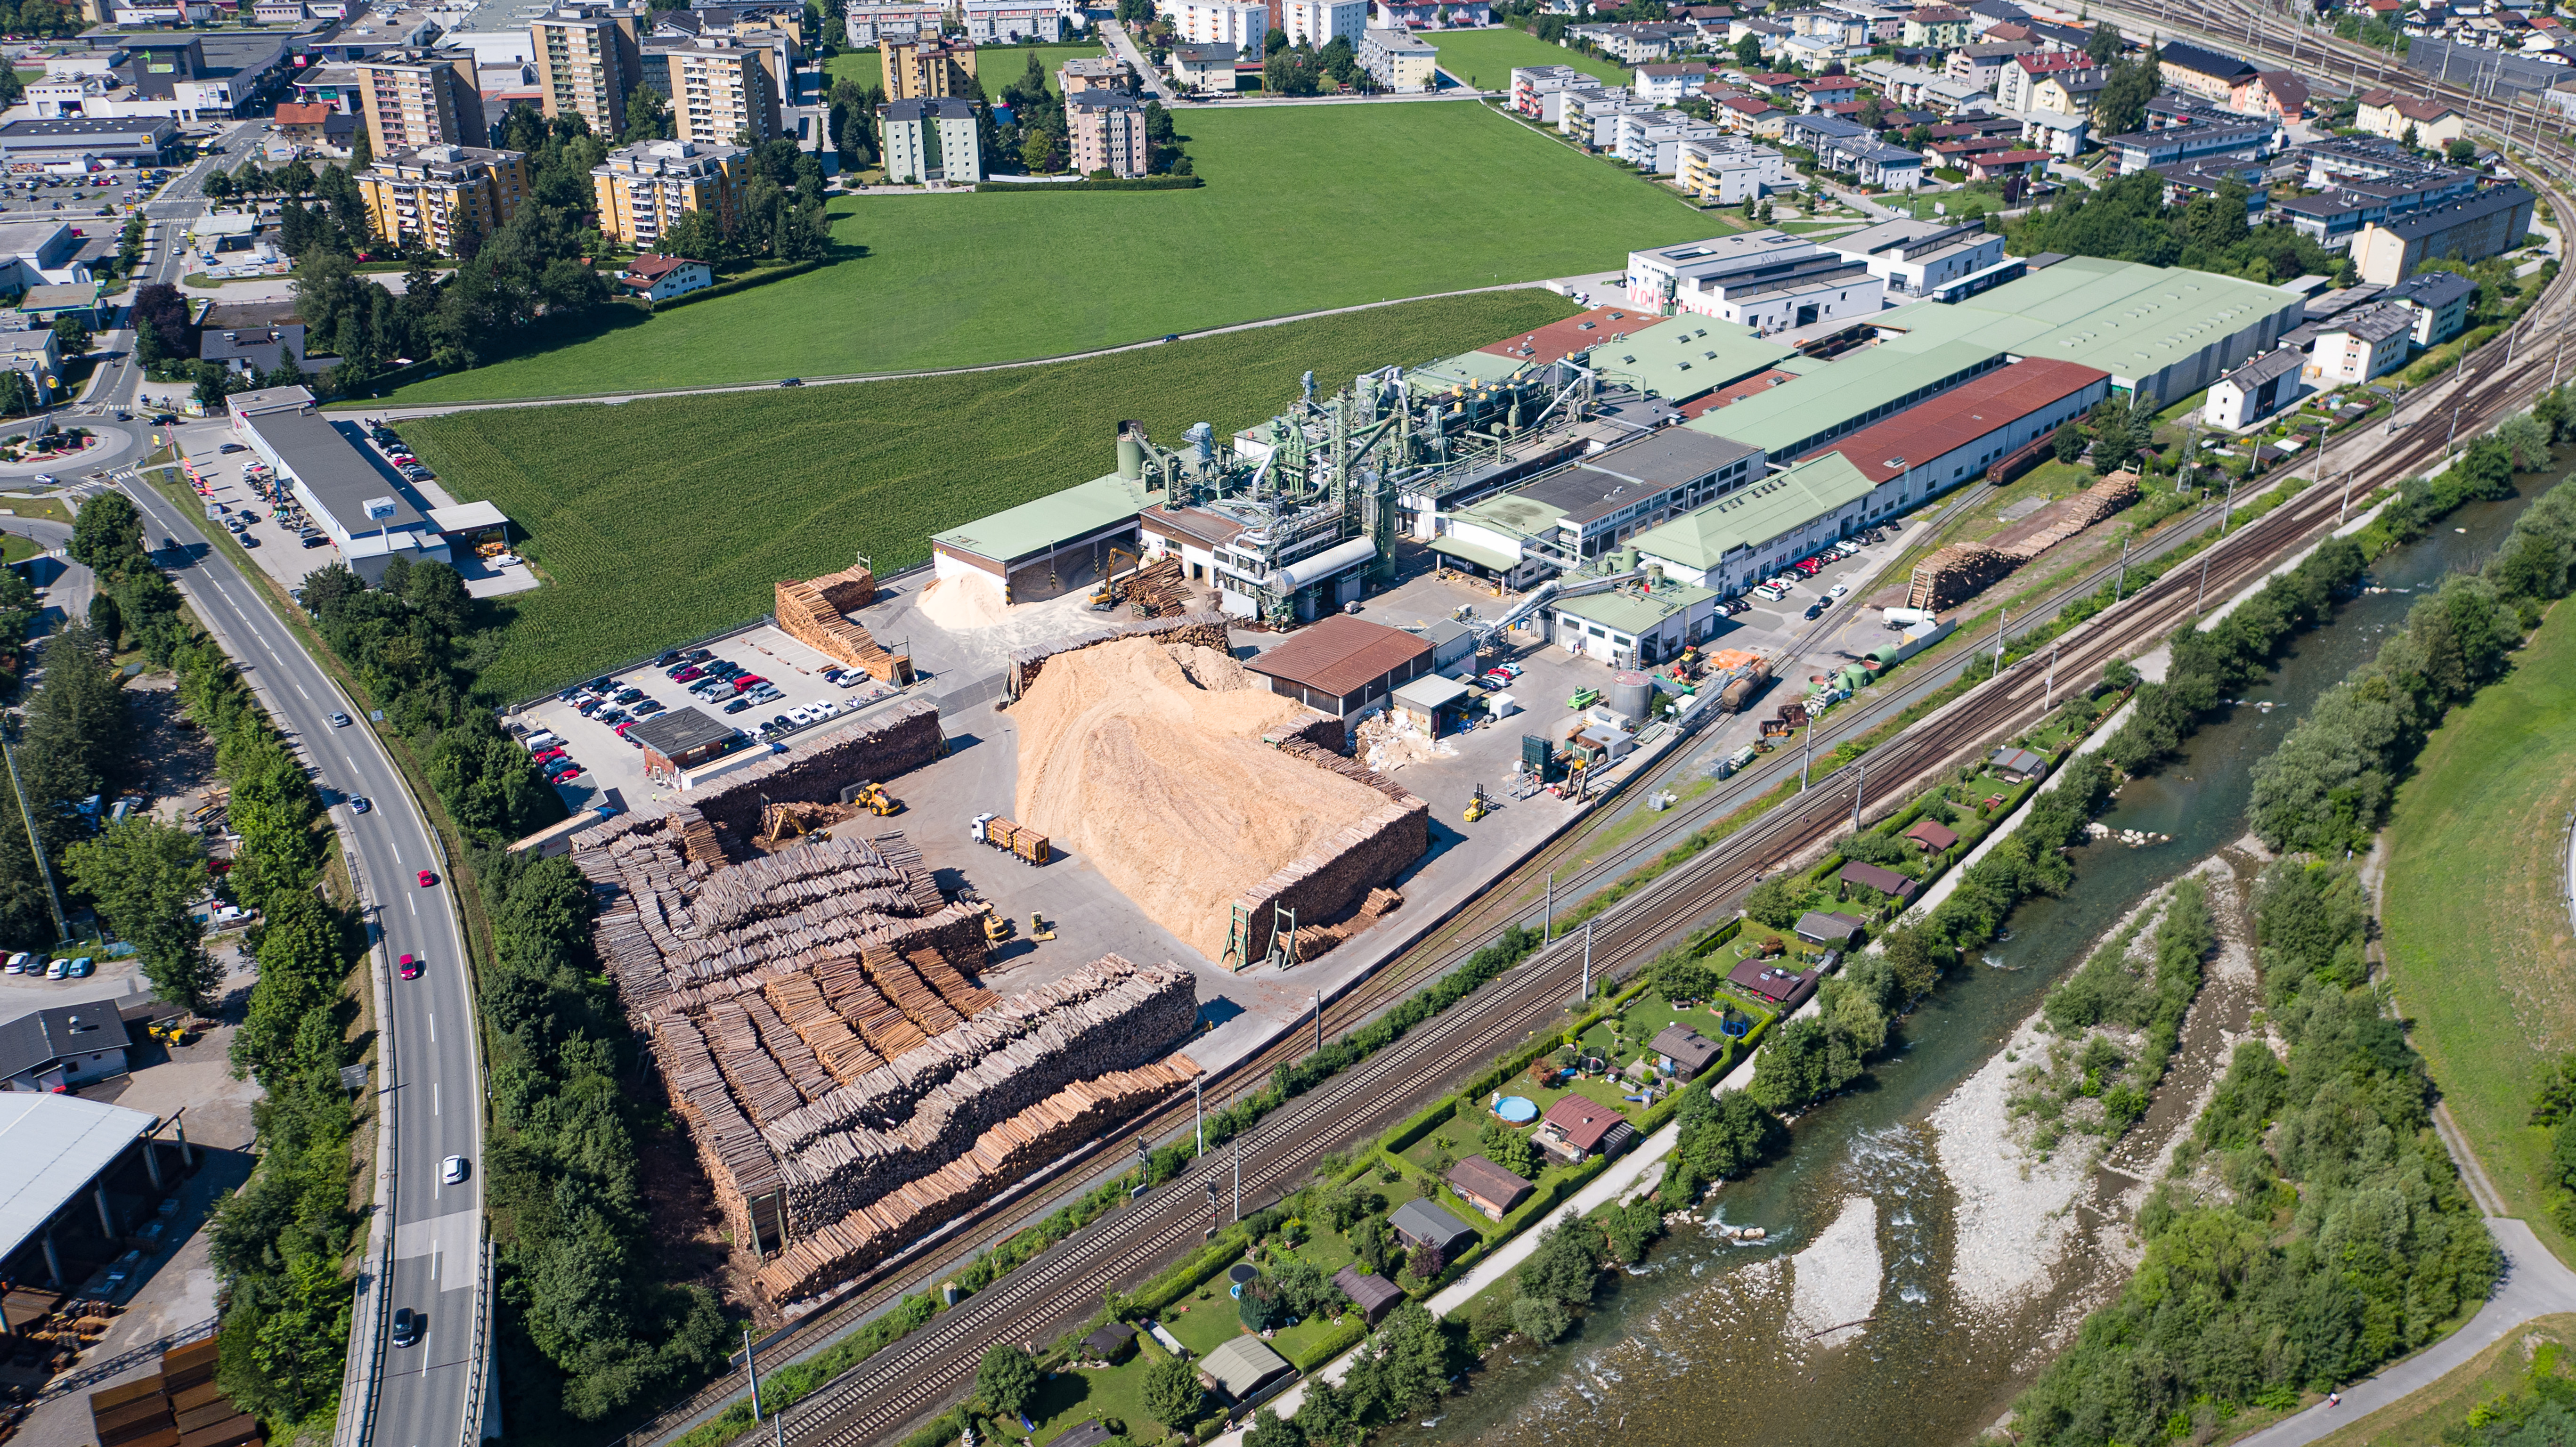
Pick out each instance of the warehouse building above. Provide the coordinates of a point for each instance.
(1580, 511)
(1831, 401)
(1766, 280)
(1049, 546)
(133, 140)
(2487, 224)
(1925, 451)
(1683, 358)
(364, 509)
(1732, 544)
(1343, 666)
(88, 1174)
(1634, 627)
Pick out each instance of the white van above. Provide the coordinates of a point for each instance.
(540, 740)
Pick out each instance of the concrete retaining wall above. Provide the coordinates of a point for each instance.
(1204, 629)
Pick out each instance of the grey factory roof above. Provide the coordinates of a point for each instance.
(2376, 322)
(60, 1144)
(2432, 290)
(2443, 218)
(2282, 362)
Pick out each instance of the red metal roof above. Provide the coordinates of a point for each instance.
(303, 113)
(1340, 654)
(1581, 1121)
(1962, 415)
(1579, 332)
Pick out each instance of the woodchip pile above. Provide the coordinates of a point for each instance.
(1207, 630)
(810, 613)
(1079, 1112)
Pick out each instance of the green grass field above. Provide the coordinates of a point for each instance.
(2476, 919)
(1305, 208)
(663, 519)
(995, 66)
(1485, 58)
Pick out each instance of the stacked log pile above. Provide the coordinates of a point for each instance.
(1314, 940)
(1208, 629)
(1955, 574)
(1334, 878)
(848, 590)
(738, 1162)
(900, 853)
(802, 1008)
(999, 1157)
(762, 1088)
(1963, 570)
(902, 738)
(968, 1000)
(796, 1058)
(904, 1120)
(1351, 769)
(807, 615)
(1158, 590)
(901, 984)
(845, 985)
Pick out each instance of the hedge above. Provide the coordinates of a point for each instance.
(1130, 183)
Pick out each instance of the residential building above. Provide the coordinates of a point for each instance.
(2057, 133)
(62, 1046)
(1577, 1128)
(1108, 133)
(2279, 94)
(2474, 229)
(2014, 82)
(1746, 115)
(1915, 258)
(1983, 65)
(866, 25)
(2070, 92)
(722, 91)
(1320, 22)
(2205, 73)
(1012, 22)
(1652, 142)
(1242, 24)
(1202, 67)
(2440, 301)
(2362, 344)
(438, 195)
(934, 139)
(1535, 87)
(2387, 114)
(1631, 44)
(420, 98)
(2334, 216)
(1725, 170)
(2255, 391)
(1091, 72)
(1852, 148)
(643, 190)
(588, 57)
(927, 68)
(660, 278)
(1938, 26)
(317, 126)
(2172, 145)
(1399, 61)
(1432, 14)
(1671, 80)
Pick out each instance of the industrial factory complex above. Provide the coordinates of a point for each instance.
(1237, 677)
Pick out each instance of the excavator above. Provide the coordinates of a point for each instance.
(1105, 597)
(170, 1032)
(997, 925)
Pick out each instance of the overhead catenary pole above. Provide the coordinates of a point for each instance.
(1319, 1022)
(2122, 581)
(1587, 959)
(2003, 616)
(753, 1372)
(1198, 1108)
(1547, 919)
(1860, 787)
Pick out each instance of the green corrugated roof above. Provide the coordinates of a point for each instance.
(1464, 367)
(1058, 517)
(1632, 615)
(1516, 513)
(1477, 553)
(1777, 420)
(2129, 319)
(1684, 356)
(1757, 514)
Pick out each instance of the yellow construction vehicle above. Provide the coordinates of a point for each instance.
(874, 798)
(170, 1032)
(997, 925)
(1105, 596)
(1478, 806)
(1038, 928)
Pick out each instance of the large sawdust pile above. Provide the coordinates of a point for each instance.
(1147, 758)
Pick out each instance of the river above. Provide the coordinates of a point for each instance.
(1693, 1349)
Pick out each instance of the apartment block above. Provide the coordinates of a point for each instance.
(645, 190)
(588, 58)
(1399, 60)
(721, 91)
(420, 98)
(1725, 170)
(1243, 24)
(1320, 22)
(439, 195)
(1108, 132)
(925, 67)
(931, 139)
(1012, 22)
(868, 24)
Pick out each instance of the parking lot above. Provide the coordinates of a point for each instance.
(612, 767)
(33, 195)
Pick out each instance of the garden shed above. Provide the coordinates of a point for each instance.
(1110, 1342)
(1488, 1187)
(1578, 1127)
(2017, 766)
(1685, 1051)
(1885, 881)
(1243, 1371)
(1817, 927)
(1373, 1294)
(1419, 1223)
(1932, 836)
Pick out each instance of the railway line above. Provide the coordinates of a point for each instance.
(1063, 1285)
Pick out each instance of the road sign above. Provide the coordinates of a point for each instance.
(382, 509)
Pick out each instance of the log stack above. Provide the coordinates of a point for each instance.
(802, 1008)
(807, 615)
(900, 983)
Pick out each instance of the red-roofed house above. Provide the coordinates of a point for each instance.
(317, 124)
(663, 277)
(2270, 93)
(2019, 79)
(1995, 165)
(1827, 88)
(2386, 113)
(1577, 1128)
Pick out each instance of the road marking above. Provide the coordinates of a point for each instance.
(433, 1097)
(433, 1038)
(415, 903)
(299, 688)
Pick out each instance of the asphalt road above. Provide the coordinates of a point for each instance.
(433, 1078)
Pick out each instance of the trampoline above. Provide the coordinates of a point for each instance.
(1241, 1272)
(1516, 1109)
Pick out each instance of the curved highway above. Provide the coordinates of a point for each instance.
(429, 1071)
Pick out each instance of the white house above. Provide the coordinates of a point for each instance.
(2362, 344)
(1320, 22)
(661, 278)
(2255, 391)
(1916, 257)
(1242, 24)
(1728, 169)
(1653, 142)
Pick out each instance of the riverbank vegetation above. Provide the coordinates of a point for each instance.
(2117, 1021)
(2313, 1228)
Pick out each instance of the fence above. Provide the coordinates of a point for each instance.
(126, 1361)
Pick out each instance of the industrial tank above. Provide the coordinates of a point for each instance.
(1630, 692)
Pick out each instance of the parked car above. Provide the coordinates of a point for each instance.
(746, 681)
(229, 448)
(17, 964)
(686, 672)
(629, 696)
(57, 969)
(648, 708)
(698, 655)
(1838, 590)
(738, 705)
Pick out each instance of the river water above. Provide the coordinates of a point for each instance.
(1695, 1348)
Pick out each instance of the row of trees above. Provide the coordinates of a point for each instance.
(2328, 786)
(2315, 1228)
(2128, 220)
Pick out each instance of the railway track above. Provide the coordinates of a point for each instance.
(1063, 1285)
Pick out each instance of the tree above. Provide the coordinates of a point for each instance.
(2461, 151)
(146, 876)
(1171, 1389)
(1543, 1319)
(107, 533)
(1562, 1268)
(1748, 51)
(160, 323)
(1268, 1430)
(2104, 45)
(71, 335)
(1774, 904)
(2067, 443)
(1007, 1378)
(2122, 105)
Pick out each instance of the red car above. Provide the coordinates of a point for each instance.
(427, 879)
(688, 672)
(410, 968)
(548, 756)
(630, 723)
(746, 682)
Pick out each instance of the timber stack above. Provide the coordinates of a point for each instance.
(807, 612)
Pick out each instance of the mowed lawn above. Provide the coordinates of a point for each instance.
(1306, 207)
(664, 519)
(996, 66)
(1485, 58)
(2475, 911)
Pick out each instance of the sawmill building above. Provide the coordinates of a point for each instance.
(1343, 666)
(681, 739)
(1047, 547)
